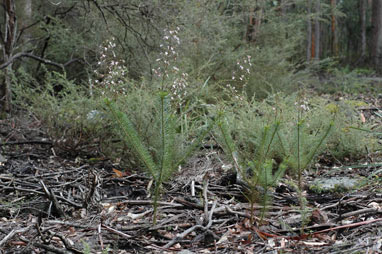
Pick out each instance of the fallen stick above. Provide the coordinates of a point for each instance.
(358, 212)
(114, 231)
(188, 231)
(53, 199)
(12, 234)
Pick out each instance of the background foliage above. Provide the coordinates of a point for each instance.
(248, 58)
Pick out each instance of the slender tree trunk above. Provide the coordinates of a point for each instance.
(363, 6)
(255, 20)
(334, 28)
(28, 8)
(25, 21)
(317, 31)
(376, 52)
(8, 44)
(309, 33)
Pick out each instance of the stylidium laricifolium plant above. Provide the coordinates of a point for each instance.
(168, 72)
(111, 73)
(258, 174)
(168, 159)
(239, 79)
(306, 142)
(299, 155)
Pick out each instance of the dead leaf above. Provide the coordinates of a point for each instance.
(118, 174)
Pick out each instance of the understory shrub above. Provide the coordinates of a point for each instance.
(78, 122)
(71, 117)
(247, 119)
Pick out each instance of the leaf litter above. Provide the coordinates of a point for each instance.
(52, 202)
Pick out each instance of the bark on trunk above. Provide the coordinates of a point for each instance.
(376, 52)
(317, 31)
(334, 28)
(255, 19)
(8, 44)
(309, 33)
(363, 6)
(28, 9)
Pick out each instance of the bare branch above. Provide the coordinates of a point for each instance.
(37, 58)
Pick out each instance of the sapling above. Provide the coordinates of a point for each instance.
(168, 160)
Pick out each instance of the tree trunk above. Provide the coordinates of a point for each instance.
(309, 33)
(363, 6)
(376, 50)
(255, 19)
(25, 20)
(28, 9)
(8, 44)
(334, 28)
(317, 31)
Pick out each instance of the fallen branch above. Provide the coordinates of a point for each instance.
(27, 142)
(148, 202)
(358, 212)
(13, 233)
(188, 231)
(52, 249)
(41, 193)
(53, 199)
(304, 236)
(114, 231)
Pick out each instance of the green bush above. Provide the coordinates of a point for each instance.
(64, 109)
(246, 120)
(78, 122)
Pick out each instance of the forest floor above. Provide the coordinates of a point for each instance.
(54, 203)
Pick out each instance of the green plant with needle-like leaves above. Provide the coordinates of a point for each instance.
(260, 177)
(167, 159)
(300, 154)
